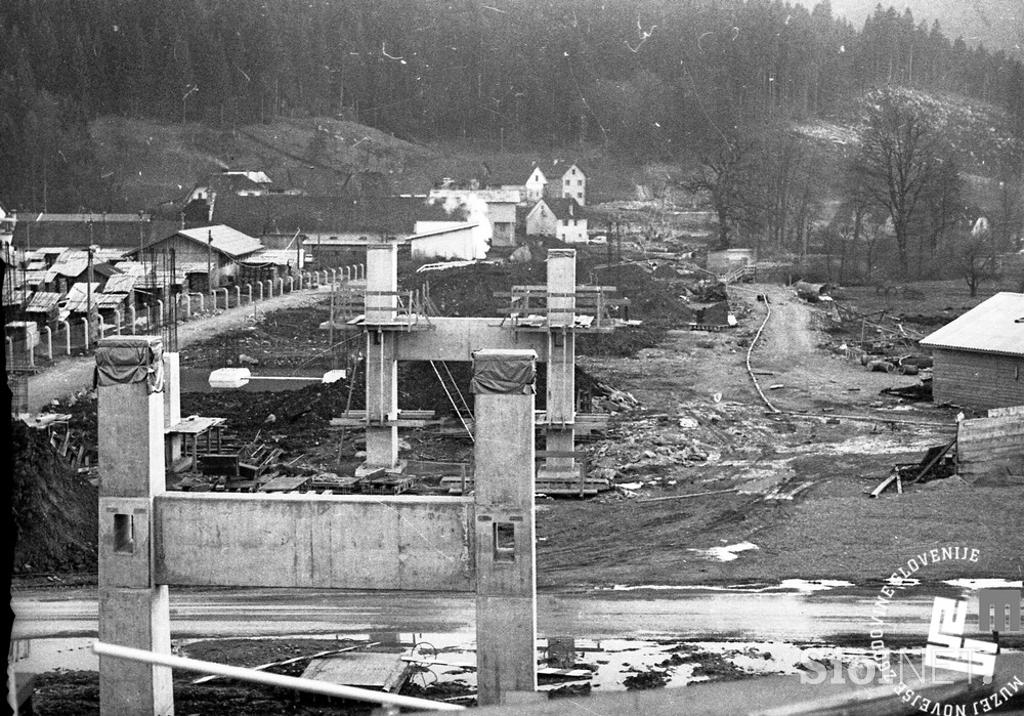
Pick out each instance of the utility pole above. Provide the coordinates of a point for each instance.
(209, 261)
(88, 286)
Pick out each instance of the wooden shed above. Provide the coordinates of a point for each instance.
(979, 357)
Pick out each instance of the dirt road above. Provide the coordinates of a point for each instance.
(72, 374)
(799, 506)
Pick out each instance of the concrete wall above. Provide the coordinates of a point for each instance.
(324, 541)
(988, 446)
(977, 380)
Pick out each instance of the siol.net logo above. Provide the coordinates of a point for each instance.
(949, 654)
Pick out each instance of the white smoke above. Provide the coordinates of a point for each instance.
(476, 212)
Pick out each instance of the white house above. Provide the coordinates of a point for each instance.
(7, 222)
(535, 185)
(574, 185)
(449, 240)
(561, 218)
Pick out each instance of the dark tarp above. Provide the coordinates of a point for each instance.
(130, 361)
(503, 374)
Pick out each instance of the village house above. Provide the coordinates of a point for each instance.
(538, 181)
(108, 231)
(205, 257)
(979, 357)
(562, 219)
(448, 240)
(7, 222)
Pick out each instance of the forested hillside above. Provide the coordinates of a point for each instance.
(650, 77)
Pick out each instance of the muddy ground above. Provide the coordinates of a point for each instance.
(788, 480)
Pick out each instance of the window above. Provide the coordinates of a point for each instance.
(124, 533)
(568, 183)
(579, 182)
(579, 195)
(504, 542)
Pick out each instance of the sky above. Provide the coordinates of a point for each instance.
(997, 24)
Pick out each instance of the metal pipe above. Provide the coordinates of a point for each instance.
(261, 677)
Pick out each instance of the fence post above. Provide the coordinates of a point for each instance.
(85, 331)
(131, 311)
(160, 312)
(362, 271)
(67, 336)
(291, 283)
(213, 300)
(226, 300)
(280, 286)
(238, 294)
(118, 318)
(270, 288)
(49, 343)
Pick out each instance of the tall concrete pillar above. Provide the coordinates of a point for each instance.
(560, 396)
(172, 404)
(381, 357)
(506, 602)
(133, 611)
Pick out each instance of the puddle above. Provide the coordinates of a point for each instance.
(727, 553)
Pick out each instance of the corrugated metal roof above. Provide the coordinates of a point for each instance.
(120, 283)
(991, 327)
(276, 257)
(224, 239)
(42, 301)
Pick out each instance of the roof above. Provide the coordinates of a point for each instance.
(256, 177)
(120, 283)
(42, 301)
(224, 239)
(275, 257)
(515, 171)
(115, 231)
(994, 326)
(450, 228)
(565, 208)
(286, 213)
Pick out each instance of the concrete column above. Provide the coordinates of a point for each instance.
(160, 312)
(381, 357)
(238, 294)
(49, 342)
(291, 284)
(133, 611)
(85, 332)
(227, 303)
(334, 276)
(560, 397)
(67, 336)
(280, 286)
(259, 292)
(31, 354)
(503, 477)
(248, 287)
(118, 318)
(172, 404)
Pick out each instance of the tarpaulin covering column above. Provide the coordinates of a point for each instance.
(508, 371)
(131, 360)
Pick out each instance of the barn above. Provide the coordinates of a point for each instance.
(979, 357)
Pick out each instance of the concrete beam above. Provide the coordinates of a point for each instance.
(455, 339)
(322, 541)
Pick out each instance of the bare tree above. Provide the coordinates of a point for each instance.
(728, 175)
(897, 162)
(973, 255)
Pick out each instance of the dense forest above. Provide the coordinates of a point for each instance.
(650, 77)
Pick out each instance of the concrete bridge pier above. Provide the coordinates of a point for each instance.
(133, 610)
(381, 357)
(506, 593)
(560, 396)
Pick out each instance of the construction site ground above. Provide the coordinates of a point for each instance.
(713, 486)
